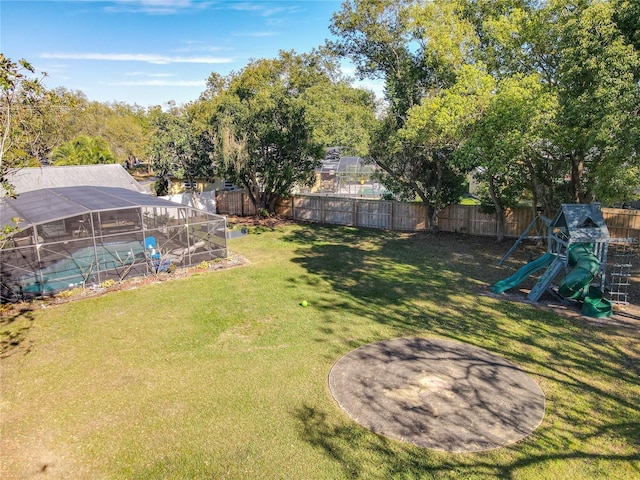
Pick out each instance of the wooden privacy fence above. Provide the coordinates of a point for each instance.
(235, 202)
(622, 223)
(391, 215)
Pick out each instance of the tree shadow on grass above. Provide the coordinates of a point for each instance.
(14, 330)
(422, 284)
(364, 455)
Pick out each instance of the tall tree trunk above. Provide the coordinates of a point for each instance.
(500, 222)
(431, 210)
(577, 168)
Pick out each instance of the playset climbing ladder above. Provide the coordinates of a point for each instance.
(621, 258)
(577, 241)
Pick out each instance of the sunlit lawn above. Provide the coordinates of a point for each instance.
(224, 374)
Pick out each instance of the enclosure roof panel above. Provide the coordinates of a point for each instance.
(39, 206)
(111, 175)
(49, 204)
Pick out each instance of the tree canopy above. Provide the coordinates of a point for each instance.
(560, 123)
(83, 150)
(541, 99)
(272, 121)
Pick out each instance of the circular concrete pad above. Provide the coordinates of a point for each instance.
(437, 394)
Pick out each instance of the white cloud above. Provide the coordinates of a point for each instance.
(138, 57)
(254, 34)
(199, 46)
(157, 7)
(152, 75)
(159, 83)
(264, 9)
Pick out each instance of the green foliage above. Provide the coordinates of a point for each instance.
(418, 156)
(599, 102)
(8, 231)
(264, 138)
(161, 186)
(379, 38)
(178, 147)
(340, 115)
(83, 150)
(565, 104)
(18, 92)
(627, 17)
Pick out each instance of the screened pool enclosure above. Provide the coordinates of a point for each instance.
(83, 236)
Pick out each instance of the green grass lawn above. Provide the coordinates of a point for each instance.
(223, 375)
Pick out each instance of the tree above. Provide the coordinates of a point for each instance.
(599, 101)
(341, 115)
(180, 146)
(506, 140)
(377, 36)
(83, 150)
(124, 127)
(417, 48)
(578, 120)
(425, 145)
(18, 92)
(627, 18)
(264, 136)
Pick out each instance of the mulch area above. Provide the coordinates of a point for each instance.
(233, 260)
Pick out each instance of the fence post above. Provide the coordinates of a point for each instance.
(354, 213)
(393, 215)
(293, 207)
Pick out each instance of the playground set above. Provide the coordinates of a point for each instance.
(577, 244)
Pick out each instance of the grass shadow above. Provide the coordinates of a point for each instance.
(423, 284)
(14, 330)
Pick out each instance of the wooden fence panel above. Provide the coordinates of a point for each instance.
(622, 223)
(338, 211)
(409, 216)
(402, 216)
(469, 219)
(230, 203)
(236, 202)
(374, 214)
(517, 221)
(284, 207)
(307, 208)
(482, 224)
(452, 219)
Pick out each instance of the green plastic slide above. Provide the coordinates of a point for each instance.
(586, 266)
(576, 284)
(530, 268)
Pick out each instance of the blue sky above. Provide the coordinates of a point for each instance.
(148, 52)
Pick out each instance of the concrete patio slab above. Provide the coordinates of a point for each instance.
(437, 394)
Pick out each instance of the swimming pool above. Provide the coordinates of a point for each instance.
(81, 267)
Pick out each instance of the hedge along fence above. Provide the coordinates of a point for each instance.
(391, 215)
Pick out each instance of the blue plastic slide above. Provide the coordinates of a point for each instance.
(530, 268)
